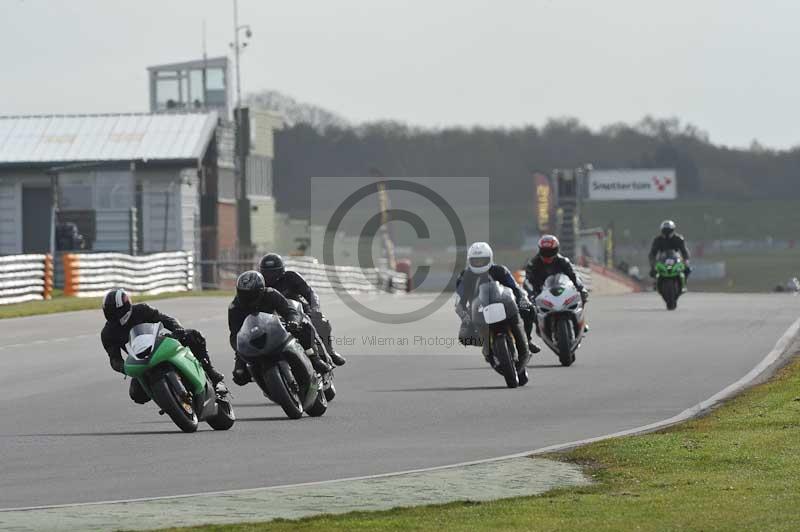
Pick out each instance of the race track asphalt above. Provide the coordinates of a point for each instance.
(69, 433)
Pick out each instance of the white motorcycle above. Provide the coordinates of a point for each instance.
(560, 317)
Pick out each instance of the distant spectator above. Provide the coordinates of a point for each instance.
(68, 238)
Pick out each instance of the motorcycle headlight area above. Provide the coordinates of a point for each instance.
(143, 355)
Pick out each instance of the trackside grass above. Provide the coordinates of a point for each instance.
(60, 303)
(737, 468)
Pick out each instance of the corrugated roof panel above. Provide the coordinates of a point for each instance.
(190, 128)
(6, 127)
(58, 136)
(30, 137)
(88, 145)
(69, 138)
(155, 142)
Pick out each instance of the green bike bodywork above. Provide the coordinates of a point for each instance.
(671, 271)
(169, 351)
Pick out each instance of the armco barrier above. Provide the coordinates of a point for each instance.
(92, 274)
(25, 278)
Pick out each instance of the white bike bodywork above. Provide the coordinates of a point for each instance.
(560, 315)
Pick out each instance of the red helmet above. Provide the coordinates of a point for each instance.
(548, 248)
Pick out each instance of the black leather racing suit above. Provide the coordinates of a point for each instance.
(271, 301)
(114, 336)
(466, 285)
(292, 285)
(665, 244)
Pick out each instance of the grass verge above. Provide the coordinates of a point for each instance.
(59, 303)
(738, 468)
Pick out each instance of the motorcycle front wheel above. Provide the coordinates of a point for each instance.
(281, 391)
(177, 408)
(670, 291)
(505, 358)
(565, 334)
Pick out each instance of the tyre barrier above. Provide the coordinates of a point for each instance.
(25, 278)
(92, 274)
(352, 279)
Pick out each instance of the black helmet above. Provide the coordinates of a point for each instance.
(272, 268)
(117, 306)
(249, 286)
(667, 228)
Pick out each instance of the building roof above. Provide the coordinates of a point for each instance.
(210, 62)
(119, 137)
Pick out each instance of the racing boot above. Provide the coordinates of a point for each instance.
(337, 359)
(205, 361)
(215, 376)
(533, 347)
(241, 375)
(320, 366)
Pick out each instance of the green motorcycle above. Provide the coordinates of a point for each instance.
(175, 379)
(670, 278)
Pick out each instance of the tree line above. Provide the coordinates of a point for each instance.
(510, 156)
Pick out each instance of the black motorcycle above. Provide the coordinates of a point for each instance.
(280, 367)
(320, 350)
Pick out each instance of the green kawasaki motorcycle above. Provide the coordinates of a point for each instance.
(175, 380)
(670, 278)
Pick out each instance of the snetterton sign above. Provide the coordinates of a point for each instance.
(633, 184)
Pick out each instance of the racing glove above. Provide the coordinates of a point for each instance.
(117, 364)
(179, 334)
(294, 328)
(584, 295)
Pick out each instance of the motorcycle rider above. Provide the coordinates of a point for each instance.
(668, 241)
(548, 261)
(480, 262)
(292, 286)
(122, 315)
(253, 296)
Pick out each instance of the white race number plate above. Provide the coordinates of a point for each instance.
(494, 313)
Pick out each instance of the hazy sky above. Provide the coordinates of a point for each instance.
(728, 66)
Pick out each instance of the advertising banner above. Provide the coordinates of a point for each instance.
(633, 184)
(544, 202)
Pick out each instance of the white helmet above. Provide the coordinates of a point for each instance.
(479, 257)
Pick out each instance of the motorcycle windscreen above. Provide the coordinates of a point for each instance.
(557, 284)
(490, 294)
(669, 257)
(142, 340)
(261, 334)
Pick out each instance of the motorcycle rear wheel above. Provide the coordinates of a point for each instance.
(319, 407)
(225, 417)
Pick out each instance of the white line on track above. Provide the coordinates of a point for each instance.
(45, 341)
